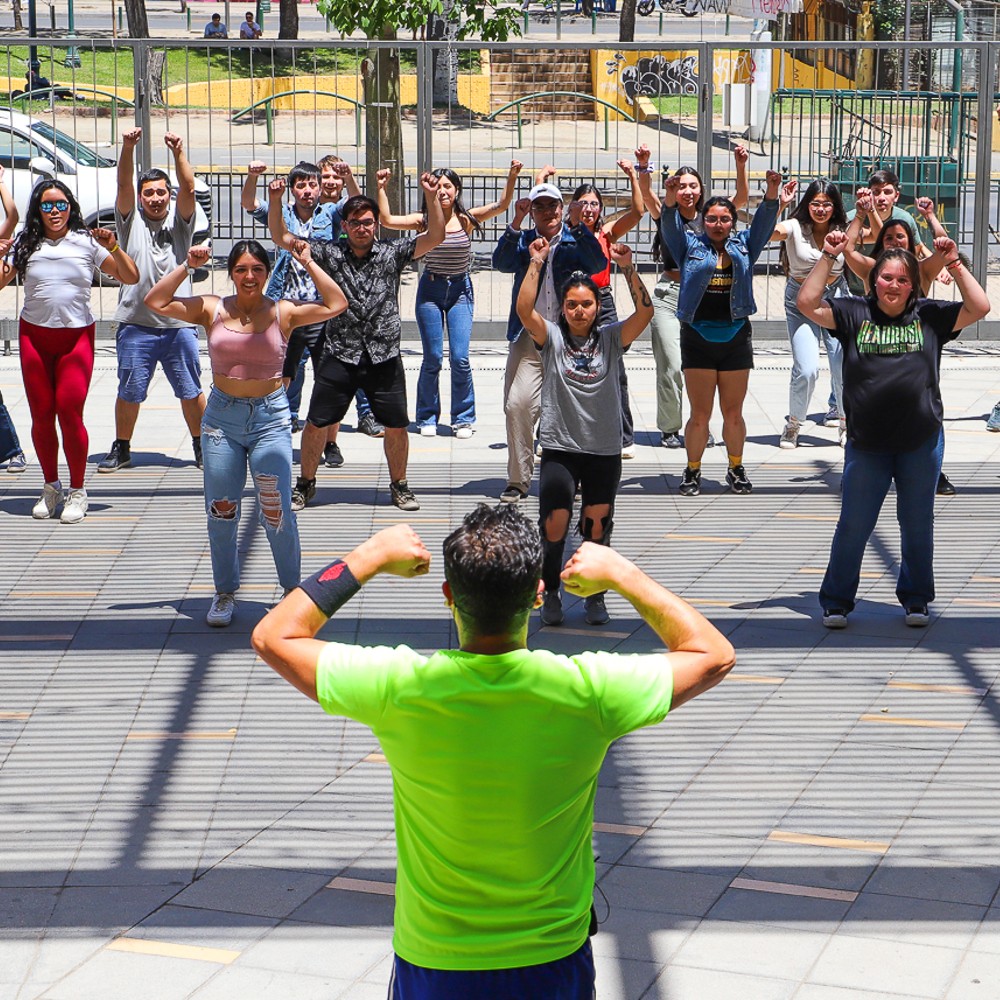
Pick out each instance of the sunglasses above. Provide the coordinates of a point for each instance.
(59, 206)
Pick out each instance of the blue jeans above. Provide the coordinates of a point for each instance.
(236, 433)
(441, 300)
(866, 481)
(805, 337)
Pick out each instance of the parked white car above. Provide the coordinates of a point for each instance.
(31, 149)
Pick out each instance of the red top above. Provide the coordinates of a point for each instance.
(603, 278)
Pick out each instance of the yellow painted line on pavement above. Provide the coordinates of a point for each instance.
(919, 723)
(816, 571)
(713, 539)
(167, 949)
(984, 579)
(788, 889)
(754, 679)
(708, 602)
(630, 831)
(363, 885)
(229, 734)
(375, 758)
(843, 843)
(942, 688)
(15, 715)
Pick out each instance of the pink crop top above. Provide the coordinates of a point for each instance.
(236, 354)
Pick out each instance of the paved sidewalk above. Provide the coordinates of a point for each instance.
(175, 821)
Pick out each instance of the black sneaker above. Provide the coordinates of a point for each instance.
(944, 486)
(402, 495)
(552, 611)
(332, 455)
(305, 490)
(370, 426)
(835, 618)
(297, 425)
(512, 494)
(917, 616)
(691, 483)
(594, 610)
(196, 444)
(120, 457)
(736, 480)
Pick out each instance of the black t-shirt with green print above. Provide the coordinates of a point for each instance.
(892, 391)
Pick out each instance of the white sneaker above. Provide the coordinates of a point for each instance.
(628, 451)
(464, 431)
(790, 435)
(220, 614)
(75, 509)
(48, 501)
(428, 430)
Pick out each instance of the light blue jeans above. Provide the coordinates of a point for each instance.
(805, 337)
(442, 300)
(866, 481)
(235, 434)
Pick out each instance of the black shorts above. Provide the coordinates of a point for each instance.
(563, 472)
(337, 381)
(734, 355)
(303, 337)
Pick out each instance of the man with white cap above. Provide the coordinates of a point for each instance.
(574, 248)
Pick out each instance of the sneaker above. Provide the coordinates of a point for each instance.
(672, 440)
(594, 611)
(428, 430)
(628, 451)
(48, 501)
(835, 618)
(402, 495)
(297, 425)
(512, 494)
(790, 435)
(220, 614)
(552, 612)
(332, 455)
(17, 464)
(196, 445)
(120, 457)
(305, 490)
(538, 449)
(370, 426)
(710, 443)
(993, 424)
(917, 616)
(842, 432)
(944, 486)
(75, 508)
(464, 431)
(832, 418)
(691, 483)
(736, 480)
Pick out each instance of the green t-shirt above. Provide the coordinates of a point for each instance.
(494, 764)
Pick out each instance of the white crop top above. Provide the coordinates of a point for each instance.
(58, 279)
(803, 252)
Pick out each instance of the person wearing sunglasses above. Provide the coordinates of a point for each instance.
(55, 258)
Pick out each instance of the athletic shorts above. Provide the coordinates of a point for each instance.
(384, 383)
(141, 348)
(569, 978)
(734, 355)
(303, 338)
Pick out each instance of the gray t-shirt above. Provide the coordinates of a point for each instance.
(581, 397)
(157, 248)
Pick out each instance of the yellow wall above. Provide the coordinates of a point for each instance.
(798, 74)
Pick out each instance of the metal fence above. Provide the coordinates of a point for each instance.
(237, 101)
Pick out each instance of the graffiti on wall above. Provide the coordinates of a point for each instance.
(657, 76)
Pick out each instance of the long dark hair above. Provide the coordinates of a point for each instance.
(912, 269)
(34, 231)
(578, 279)
(251, 247)
(838, 217)
(590, 189)
(680, 171)
(879, 247)
(457, 206)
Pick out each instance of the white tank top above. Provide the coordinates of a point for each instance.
(803, 252)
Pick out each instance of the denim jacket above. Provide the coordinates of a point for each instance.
(697, 259)
(577, 250)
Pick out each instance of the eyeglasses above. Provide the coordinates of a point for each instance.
(589, 204)
(360, 223)
(59, 206)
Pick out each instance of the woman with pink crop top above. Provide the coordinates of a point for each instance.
(247, 421)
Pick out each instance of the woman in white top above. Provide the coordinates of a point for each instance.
(444, 296)
(819, 211)
(55, 257)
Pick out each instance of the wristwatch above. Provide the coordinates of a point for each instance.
(190, 270)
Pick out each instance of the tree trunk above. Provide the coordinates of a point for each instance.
(135, 14)
(626, 22)
(154, 77)
(444, 29)
(18, 23)
(288, 19)
(383, 125)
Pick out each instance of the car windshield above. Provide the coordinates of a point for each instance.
(77, 151)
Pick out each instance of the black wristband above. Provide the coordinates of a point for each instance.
(331, 588)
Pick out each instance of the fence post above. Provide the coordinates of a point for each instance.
(705, 104)
(269, 121)
(357, 125)
(425, 106)
(605, 146)
(140, 75)
(984, 150)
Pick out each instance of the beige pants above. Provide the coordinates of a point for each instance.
(522, 397)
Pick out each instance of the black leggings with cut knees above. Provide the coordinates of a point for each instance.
(562, 472)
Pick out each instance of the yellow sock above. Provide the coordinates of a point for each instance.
(694, 466)
(735, 460)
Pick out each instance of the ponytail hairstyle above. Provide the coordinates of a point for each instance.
(579, 279)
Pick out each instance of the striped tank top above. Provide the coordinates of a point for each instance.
(451, 257)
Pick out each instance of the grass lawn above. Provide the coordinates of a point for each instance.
(676, 105)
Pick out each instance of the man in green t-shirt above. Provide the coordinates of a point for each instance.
(495, 750)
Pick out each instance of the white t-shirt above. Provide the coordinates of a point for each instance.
(803, 252)
(58, 279)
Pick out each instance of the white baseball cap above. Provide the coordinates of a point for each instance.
(545, 191)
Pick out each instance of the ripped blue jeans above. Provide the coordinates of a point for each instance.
(237, 433)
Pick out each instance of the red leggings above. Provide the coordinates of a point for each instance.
(56, 365)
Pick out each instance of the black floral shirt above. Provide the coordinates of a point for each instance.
(370, 326)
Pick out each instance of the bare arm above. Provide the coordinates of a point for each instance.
(344, 171)
(699, 654)
(434, 233)
(119, 265)
(196, 310)
(633, 216)
(975, 302)
(641, 302)
(7, 271)
(858, 262)
(742, 157)
(10, 210)
(285, 639)
(414, 220)
(545, 174)
(485, 212)
(531, 319)
(275, 218)
(185, 176)
(649, 199)
(810, 301)
(125, 199)
(248, 196)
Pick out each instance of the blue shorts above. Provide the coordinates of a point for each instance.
(140, 348)
(569, 978)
